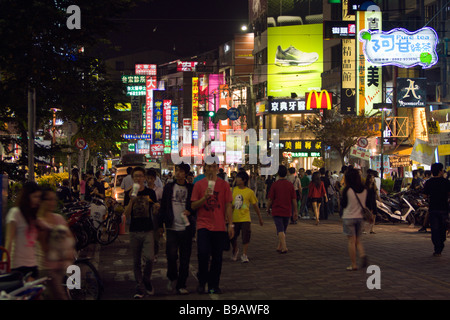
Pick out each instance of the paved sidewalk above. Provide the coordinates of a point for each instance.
(313, 269)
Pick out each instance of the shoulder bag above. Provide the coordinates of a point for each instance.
(367, 214)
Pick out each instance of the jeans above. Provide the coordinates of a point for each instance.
(142, 245)
(438, 224)
(210, 244)
(178, 242)
(304, 205)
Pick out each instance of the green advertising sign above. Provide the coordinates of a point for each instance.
(295, 59)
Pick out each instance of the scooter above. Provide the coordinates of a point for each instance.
(394, 210)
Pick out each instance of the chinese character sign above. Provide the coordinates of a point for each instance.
(400, 47)
(148, 111)
(195, 108)
(145, 69)
(174, 135)
(158, 122)
(167, 118)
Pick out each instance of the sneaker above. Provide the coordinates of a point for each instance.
(244, 258)
(139, 294)
(201, 289)
(170, 285)
(149, 289)
(234, 255)
(182, 291)
(294, 57)
(215, 291)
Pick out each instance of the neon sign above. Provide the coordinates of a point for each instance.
(400, 47)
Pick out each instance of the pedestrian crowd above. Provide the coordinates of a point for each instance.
(211, 210)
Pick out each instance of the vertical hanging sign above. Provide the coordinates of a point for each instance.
(348, 90)
(148, 108)
(174, 135)
(195, 108)
(369, 78)
(158, 122)
(167, 118)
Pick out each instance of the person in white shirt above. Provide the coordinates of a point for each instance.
(352, 216)
(127, 182)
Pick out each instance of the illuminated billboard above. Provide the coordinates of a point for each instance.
(295, 59)
(400, 47)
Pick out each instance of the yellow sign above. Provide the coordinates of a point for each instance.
(194, 104)
(444, 149)
(317, 103)
(433, 127)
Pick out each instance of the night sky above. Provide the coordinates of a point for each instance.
(182, 27)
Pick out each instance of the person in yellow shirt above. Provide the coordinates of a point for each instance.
(243, 197)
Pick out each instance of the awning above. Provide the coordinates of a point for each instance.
(401, 151)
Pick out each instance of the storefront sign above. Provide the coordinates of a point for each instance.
(400, 47)
(156, 150)
(322, 100)
(174, 129)
(186, 66)
(145, 69)
(133, 79)
(299, 146)
(136, 136)
(399, 162)
(348, 88)
(339, 30)
(360, 153)
(286, 106)
(167, 123)
(136, 90)
(411, 92)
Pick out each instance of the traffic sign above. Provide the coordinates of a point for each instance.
(80, 143)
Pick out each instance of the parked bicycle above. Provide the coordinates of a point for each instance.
(14, 286)
(90, 284)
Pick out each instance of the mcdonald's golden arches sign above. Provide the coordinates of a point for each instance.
(322, 100)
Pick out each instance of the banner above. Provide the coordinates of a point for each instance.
(194, 108)
(368, 76)
(174, 129)
(422, 152)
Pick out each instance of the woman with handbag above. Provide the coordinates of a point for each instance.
(353, 196)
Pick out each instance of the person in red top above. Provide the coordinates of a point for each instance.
(282, 200)
(316, 193)
(212, 199)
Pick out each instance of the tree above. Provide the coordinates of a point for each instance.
(40, 52)
(341, 132)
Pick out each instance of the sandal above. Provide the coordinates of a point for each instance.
(351, 269)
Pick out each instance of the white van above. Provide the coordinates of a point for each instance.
(121, 172)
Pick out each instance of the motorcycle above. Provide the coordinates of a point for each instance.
(14, 286)
(395, 208)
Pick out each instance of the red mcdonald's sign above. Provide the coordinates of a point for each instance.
(322, 100)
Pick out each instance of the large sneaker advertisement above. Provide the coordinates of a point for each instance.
(295, 59)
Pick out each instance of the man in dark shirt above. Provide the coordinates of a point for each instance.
(437, 188)
(140, 209)
(99, 186)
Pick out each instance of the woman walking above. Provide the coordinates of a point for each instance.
(354, 196)
(316, 193)
(22, 230)
(57, 246)
(371, 198)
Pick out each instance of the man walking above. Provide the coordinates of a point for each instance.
(212, 199)
(177, 216)
(139, 209)
(437, 188)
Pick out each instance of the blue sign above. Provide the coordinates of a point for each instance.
(233, 114)
(158, 122)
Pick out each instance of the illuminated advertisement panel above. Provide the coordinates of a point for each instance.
(148, 110)
(174, 133)
(145, 69)
(195, 108)
(167, 119)
(158, 122)
(295, 59)
(400, 47)
(369, 78)
(215, 80)
(183, 66)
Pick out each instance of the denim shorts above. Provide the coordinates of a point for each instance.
(281, 223)
(353, 227)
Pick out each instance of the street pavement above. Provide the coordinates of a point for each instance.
(313, 269)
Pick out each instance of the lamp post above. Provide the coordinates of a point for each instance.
(383, 107)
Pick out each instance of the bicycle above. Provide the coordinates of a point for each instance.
(13, 286)
(108, 231)
(91, 286)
